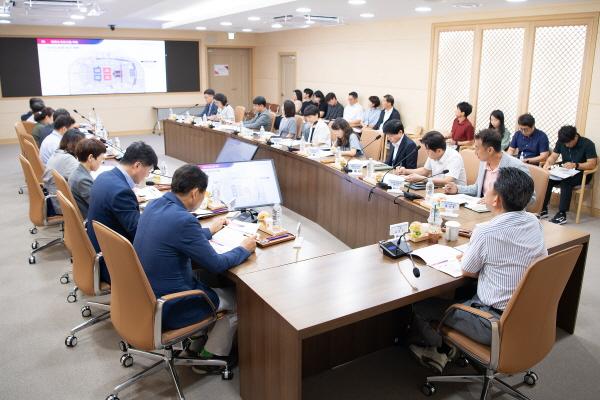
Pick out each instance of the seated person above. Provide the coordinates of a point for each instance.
(489, 151)
(287, 125)
(403, 152)
(169, 238)
(262, 116)
(529, 143)
(499, 254)
(388, 112)
(112, 200)
(43, 119)
(35, 104)
(497, 123)
(319, 101)
(64, 162)
(224, 110)
(578, 153)
(462, 130)
(371, 115)
(347, 140)
(316, 131)
(90, 154)
(50, 143)
(353, 112)
(297, 99)
(210, 107)
(334, 109)
(307, 99)
(439, 158)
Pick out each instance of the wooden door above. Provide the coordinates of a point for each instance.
(229, 73)
(287, 76)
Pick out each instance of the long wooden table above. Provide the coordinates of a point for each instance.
(302, 313)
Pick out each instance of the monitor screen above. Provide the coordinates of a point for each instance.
(236, 150)
(250, 183)
(71, 66)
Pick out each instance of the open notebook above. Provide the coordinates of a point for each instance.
(440, 257)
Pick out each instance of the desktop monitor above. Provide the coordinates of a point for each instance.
(235, 150)
(250, 183)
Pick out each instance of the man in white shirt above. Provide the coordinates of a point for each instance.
(51, 142)
(316, 131)
(439, 158)
(353, 112)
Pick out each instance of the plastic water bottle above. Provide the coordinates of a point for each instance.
(429, 189)
(370, 168)
(204, 119)
(170, 112)
(435, 219)
(302, 145)
(338, 154)
(277, 215)
(216, 192)
(262, 131)
(117, 143)
(522, 157)
(163, 168)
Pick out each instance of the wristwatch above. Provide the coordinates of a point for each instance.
(576, 165)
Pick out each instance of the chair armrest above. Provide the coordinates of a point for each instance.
(590, 171)
(159, 309)
(494, 323)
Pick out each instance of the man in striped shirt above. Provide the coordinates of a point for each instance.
(499, 253)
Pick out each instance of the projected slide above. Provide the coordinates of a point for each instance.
(97, 66)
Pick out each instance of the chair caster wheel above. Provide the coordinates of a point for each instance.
(71, 298)
(530, 378)
(227, 374)
(35, 244)
(20, 191)
(71, 341)
(64, 279)
(112, 397)
(428, 389)
(126, 360)
(86, 311)
(123, 346)
(33, 230)
(32, 260)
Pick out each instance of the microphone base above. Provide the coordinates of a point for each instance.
(393, 250)
(412, 196)
(383, 186)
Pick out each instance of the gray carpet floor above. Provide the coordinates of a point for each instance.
(35, 318)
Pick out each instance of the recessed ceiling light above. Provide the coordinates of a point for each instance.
(77, 16)
(226, 23)
(466, 5)
(303, 10)
(4, 21)
(69, 23)
(423, 9)
(276, 26)
(356, 2)
(246, 30)
(253, 18)
(200, 28)
(367, 15)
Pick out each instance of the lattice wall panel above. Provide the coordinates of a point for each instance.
(453, 81)
(500, 75)
(556, 76)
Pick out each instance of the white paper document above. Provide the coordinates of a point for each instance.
(560, 173)
(440, 257)
(148, 193)
(103, 168)
(226, 240)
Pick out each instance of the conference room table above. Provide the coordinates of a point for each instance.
(302, 312)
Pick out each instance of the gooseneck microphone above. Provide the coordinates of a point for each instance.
(194, 106)
(414, 196)
(346, 169)
(385, 186)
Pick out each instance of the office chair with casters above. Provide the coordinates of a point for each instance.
(86, 269)
(525, 333)
(38, 213)
(239, 113)
(471, 163)
(32, 155)
(22, 135)
(137, 315)
(28, 126)
(63, 186)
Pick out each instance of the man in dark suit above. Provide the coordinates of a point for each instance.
(210, 107)
(112, 200)
(169, 239)
(402, 147)
(388, 113)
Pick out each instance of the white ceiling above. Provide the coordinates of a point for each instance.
(189, 14)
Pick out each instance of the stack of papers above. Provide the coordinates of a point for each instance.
(148, 192)
(227, 239)
(560, 173)
(440, 257)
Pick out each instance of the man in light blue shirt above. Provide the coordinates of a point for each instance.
(262, 116)
(51, 142)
